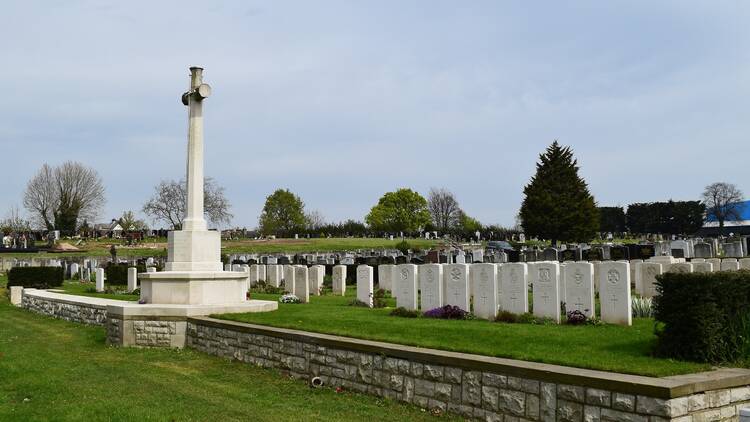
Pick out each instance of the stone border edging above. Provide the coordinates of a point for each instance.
(665, 388)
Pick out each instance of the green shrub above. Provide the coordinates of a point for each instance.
(405, 313)
(506, 316)
(703, 317)
(117, 274)
(263, 287)
(403, 246)
(36, 277)
(378, 299)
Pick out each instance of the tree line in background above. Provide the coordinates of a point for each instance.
(557, 206)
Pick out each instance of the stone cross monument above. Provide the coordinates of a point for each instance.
(193, 282)
(193, 272)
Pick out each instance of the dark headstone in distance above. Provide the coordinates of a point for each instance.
(678, 253)
(646, 251)
(513, 256)
(633, 251)
(596, 254)
(443, 259)
(252, 261)
(387, 260)
(550, 254)
(568, 255)
(619, 253)
(402, 259)
(417, 261)
(432, 257)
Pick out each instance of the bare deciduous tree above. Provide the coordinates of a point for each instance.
(723, 202)
(444, 209)
(14, 222)
(129, 222)
(40, 198)
(58, 197)
(314, 220)
(170, 198)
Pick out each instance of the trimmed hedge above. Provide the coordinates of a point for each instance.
(703, 317)
(36, 277)
(117, 274)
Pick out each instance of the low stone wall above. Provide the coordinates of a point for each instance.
(476, 386)
(73, 310)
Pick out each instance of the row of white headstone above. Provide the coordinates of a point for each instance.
(505, 287)
(646, 272)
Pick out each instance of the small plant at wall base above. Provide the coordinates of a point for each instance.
(378, 299)
(447, 312)
(576, 317)
(404, 313)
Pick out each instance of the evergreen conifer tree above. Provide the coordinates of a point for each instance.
(557, 203)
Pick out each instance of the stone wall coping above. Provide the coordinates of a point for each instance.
(193, 275)
(130, 310)
(93, 302)
(664, 388)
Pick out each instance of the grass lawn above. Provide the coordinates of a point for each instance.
(604, 347)
(157, 247)
(56, 370)
(84, 289)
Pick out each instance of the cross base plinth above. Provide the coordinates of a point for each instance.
(194, 287)
(194, 251)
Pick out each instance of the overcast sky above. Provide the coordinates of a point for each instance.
(343, 101)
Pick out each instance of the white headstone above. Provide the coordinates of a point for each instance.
(545, 279)
(273, 275)
(456, 285)
(649, 271)
(16, 295)
(515, 287)
(289, 284)
(301, 283)
(237, 268)
(703, 267)
(339, 280)
(100, 279)
(365, 284)
(715, 262)
(614, 293)
(253, 274)
(316, 274)
(227, 267)
(132, 279)
(406, 285)
(579, 288)
(745, 264)
(262, 272)
(461, 257)
(150, 269)
(730, 264)
(431, 286)
(485, 290)
(681, 267)
(73, 269)
(385, 277)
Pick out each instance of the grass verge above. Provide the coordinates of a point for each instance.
(604, 347)
(56, 370)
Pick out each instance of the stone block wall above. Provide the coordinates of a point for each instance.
(478, 392)
(151, 332)
(75, 312)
